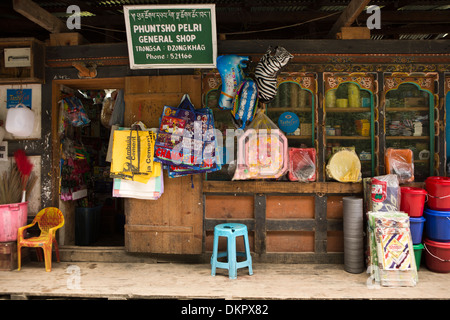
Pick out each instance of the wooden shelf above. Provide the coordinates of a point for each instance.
(298, 137)
(347, 138)
(407, 137)
(421, 161)
(336, 109)
(291, 109)
(403, 109)
(35, 73)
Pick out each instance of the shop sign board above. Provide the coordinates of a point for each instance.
(171, 36)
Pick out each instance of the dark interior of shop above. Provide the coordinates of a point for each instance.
(99, 217)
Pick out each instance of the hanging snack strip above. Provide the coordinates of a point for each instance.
(75, 111)
(73, 170)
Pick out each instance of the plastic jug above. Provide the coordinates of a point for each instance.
(20, 121)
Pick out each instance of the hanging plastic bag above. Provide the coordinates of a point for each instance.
(150, 190)
(205, 150)
(262, 151)
(186, 140)
(20, 121)
(107, 108)
(117, 116)
(400, 162)
(75, 111)
(262, 122)
(133, 151)
(302, 164)
(385, 194)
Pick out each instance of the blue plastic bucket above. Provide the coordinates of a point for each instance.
(437, 227)
(416, 226)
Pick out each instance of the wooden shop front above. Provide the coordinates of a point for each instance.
(288, 221)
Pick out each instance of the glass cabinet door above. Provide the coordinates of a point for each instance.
(349, 117)
(409, 104)
(296, 94)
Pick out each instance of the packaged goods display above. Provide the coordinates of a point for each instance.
(391, 249)
(262, 151)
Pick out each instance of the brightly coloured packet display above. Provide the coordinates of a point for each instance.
(391, 260)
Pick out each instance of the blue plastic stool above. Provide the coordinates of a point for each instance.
(231, 231)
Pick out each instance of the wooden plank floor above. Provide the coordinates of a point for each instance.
(194, 281)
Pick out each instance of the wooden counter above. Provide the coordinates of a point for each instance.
(287, 221)
(268, 187)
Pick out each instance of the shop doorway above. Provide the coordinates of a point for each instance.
(168, 225)
(83, 186)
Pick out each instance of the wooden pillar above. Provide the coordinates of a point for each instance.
(320, 234)
(260, 223)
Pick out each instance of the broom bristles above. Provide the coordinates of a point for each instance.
(23, 164)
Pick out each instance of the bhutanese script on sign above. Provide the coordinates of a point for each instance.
(175, 36)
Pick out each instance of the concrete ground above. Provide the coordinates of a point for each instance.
(118, 281)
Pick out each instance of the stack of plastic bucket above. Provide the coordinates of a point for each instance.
(413, 202)
(437, 226)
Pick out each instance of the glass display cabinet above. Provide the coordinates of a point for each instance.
(296, 94)
(409, 110)
(349, 113)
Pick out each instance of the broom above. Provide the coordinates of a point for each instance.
(25, 166)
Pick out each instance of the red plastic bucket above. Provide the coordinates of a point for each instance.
(438, 189)
(12, 217)
(437, 256)
(412, 201)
